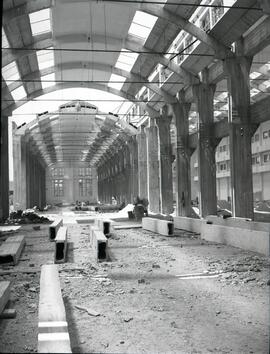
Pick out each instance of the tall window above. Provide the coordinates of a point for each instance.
(84, 187)
(58, 187)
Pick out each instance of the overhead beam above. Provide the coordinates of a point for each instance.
(258, 38)
(94, 66)
(260, 112)
(60, 86)
(221, 51)
(22, 10)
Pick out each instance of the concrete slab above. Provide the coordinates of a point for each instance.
(163, 227)
(189, 224)
(251, 240)
(53, 336)
(11, 250)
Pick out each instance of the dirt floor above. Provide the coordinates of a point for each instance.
(156, 294)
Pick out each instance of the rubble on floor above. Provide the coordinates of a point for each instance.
(28, 216)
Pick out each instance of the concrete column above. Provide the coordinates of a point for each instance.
(183, 179)
(240, 136)
(153, 167)
(128, 176)
(142, 163)
(165, 161)
(204, 94)
(133, 146)
(4, 169)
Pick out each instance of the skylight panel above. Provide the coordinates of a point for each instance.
(45, 58)
(10, 72)
(117, 85)
(142, 24)
(5, 43)
(254, 75)
(48, 80)
(126, 60)
(18, 93)
(254, 92)
(40, 21)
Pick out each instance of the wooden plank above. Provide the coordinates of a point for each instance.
(53, 228)
(99, 244)
(4, 294)
(53, 336)
(60, 251)
(11, 250)
(163, 227)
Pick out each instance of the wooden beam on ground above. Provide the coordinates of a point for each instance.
(163, 227)
(11, 250)
(53, 336)
(53, 228)
(60, 251)
(4, 294)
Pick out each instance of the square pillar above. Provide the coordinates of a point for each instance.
(153, 167)
(204, 94)
(4, 169)
(142, 163)
(240, 133)
(165, 161)
(183, 179)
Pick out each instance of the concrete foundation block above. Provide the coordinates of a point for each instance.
(11, 249)
(54, 227)
(60, 251)
(105, 225)
(239, 222)
(4, 294)
(99, 243)
(163, 227)
(251, 240)
(189, 224)
(53, 336)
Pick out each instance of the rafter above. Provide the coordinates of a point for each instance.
(220, 49)
(59, 86)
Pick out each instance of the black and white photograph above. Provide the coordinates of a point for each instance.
(135, 177)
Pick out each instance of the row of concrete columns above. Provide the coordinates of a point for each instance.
(155, 157)
(117, 177)
(29, 176)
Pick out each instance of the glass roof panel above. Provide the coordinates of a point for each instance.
(119, 81)
(10, 72)
(126, 60)
(48, 80)
(18, 93)
(142, 25)
(40, 21)
(5, 43)
(45, 58)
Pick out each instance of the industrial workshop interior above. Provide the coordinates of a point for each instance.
(135, 176)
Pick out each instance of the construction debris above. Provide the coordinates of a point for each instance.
(28, 216)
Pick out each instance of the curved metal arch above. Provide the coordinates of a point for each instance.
(59, 86)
